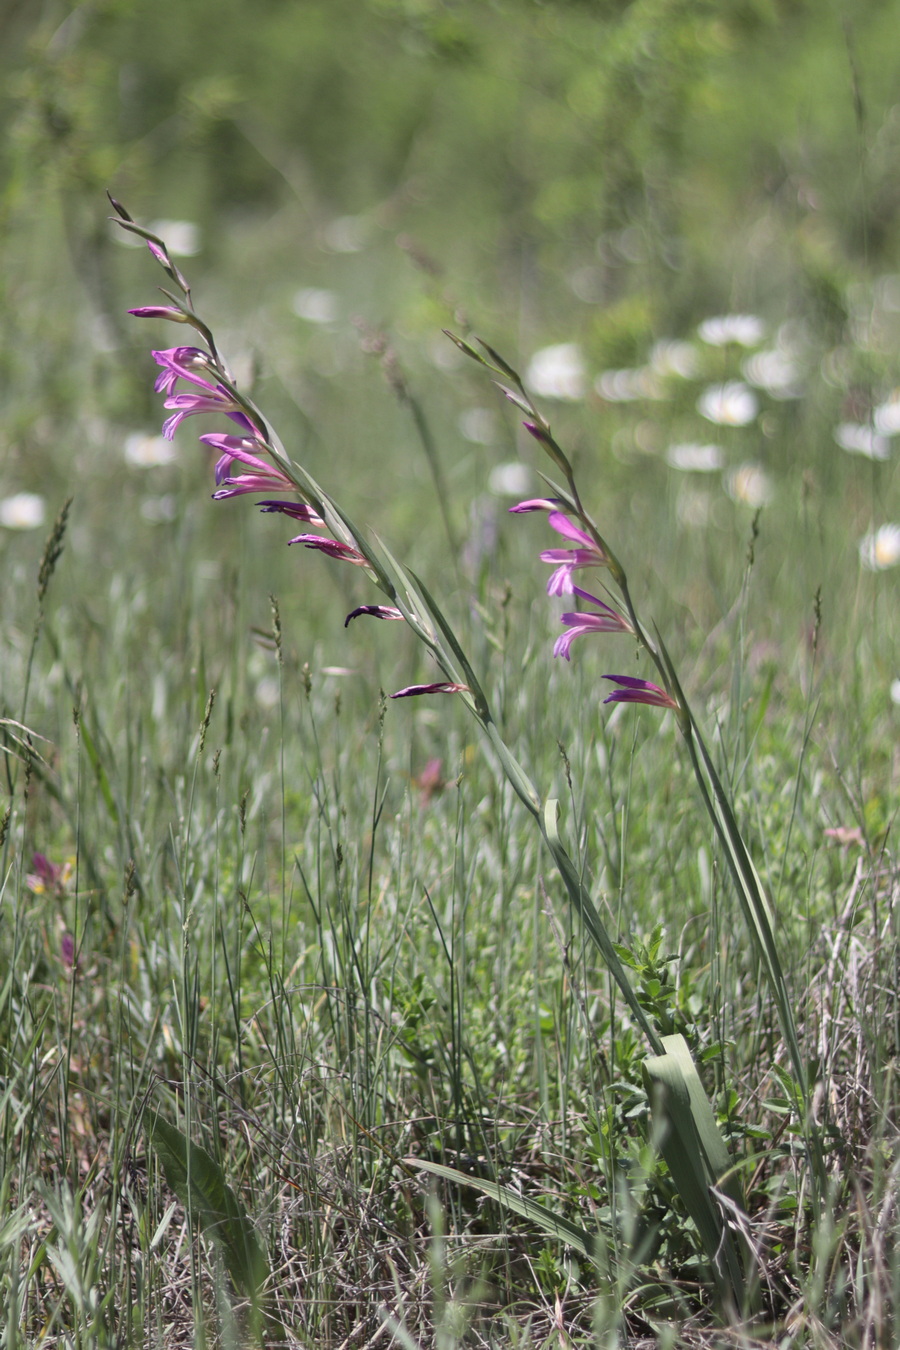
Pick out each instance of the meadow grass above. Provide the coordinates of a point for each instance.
(318, 956)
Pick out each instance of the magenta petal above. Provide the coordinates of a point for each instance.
(535, 504)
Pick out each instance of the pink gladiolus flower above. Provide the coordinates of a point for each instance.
(180, 363)
(377, 612)
(333, 547)
(214, 399)
(607, 620)
(587, 554)
(241, 448)
(639, 691)
(413, 690)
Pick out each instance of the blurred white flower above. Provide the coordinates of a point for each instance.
(268, 692)
(510, 480)
(315, 305)
(880, 548)
(895, 691)
(624, 386)
(750, 485)
(478, 425)
(557, 372)
(858, 439)
(744, 329)
(181, 237)
(159, 510)
(694, 508)
(728, 405)
(346, 234)
(775, 371)
(148, 452)
(887, 418)
(23, 511)
(695, 458)
(674, 358)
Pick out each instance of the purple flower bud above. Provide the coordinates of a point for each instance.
(160, 312)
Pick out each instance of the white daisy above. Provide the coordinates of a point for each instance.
(744, 329)
(23, 511)
(733, 404)
(880, 548)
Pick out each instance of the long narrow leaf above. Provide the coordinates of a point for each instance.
(198, 1181)
(564, 1230)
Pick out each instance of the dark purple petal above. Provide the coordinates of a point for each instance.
(377, 612)
(296, 510)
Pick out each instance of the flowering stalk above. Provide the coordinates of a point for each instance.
(567, 515)
(406, 595)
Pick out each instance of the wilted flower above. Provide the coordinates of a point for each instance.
(728, 405)
(569, 560)
(334, 548)
(413, 690)
(880, 549)
(858, 439)
(557, 372)
(695, 458)
(22, 511)
(605, 620)
(744, 329)
(633, 690)
(376, 611)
